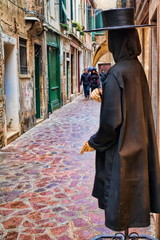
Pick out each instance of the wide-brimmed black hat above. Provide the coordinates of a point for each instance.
(118, 18)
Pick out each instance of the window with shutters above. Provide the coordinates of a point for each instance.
(99, 21)
(23, 55)
(63, 14)
(88, 17)
(71, 9)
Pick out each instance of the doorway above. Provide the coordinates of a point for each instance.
(67, 79)
(72, 56)
(37, 54)
(53, 78)
(11, 88)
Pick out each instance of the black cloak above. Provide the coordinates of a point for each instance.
(127, 180)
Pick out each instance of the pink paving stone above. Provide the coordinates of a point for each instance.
(41, 184)
(28, 195)
(34, 215)
(52, 203)
(84, 234)
(34, 231)
(68, 190)
(40, 200)
(61, 219)
(26, 237)
(64, 238)
(80, 222)
(50, 215)
(6, 212)
(46, 225)
(43, 237)
(12, 222)
(15, 205)
(46, 193)
(66, 201)
(42, 221)
(1, 232)
(48, 210)
(69, 214)
(79, 196)
(47, 179)
(58, 230)
(49, 170)
(21, 213)
(73, 184)
(57, 189)
(11, 236)
(95, 218)
(38, 206)
(61, 195)
(28, 224)
(75, 208)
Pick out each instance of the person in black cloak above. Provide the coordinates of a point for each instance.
(127, 179)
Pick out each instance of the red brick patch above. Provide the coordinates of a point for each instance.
(28, 224)
(34, 216)
(46, 193)
(61, 195)
(53, 224)
(11, 236)
(64, 238)
(25, 237)
(15, 205)
(59, 230)
(6, 212)
(27, 195)
(43, 237)
(40, 200)
(34, 231)
(12, 222)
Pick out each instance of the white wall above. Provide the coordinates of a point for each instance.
(11, 84)
(106, 4)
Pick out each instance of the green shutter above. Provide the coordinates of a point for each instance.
(99, 22)
(71, 6)
(63, 17)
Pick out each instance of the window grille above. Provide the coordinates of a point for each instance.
(23, 56)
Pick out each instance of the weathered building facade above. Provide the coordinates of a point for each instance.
(41, 59)
(20, 39)
(149, 12)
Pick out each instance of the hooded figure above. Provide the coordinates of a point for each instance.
(127, 179)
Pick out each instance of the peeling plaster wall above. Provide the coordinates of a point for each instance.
(13, 26)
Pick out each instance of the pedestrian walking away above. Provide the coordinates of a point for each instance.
(94, 80)
(86, 83)
(102, 76)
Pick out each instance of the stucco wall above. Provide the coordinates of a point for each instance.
(106, 4)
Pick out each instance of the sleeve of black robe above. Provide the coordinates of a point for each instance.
(110, 117)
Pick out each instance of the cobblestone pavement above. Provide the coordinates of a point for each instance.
(46, 184)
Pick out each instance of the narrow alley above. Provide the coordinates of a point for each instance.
(46, 184)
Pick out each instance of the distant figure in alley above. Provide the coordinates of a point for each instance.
(86, 83)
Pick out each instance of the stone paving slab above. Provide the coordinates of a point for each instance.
(46, 184)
